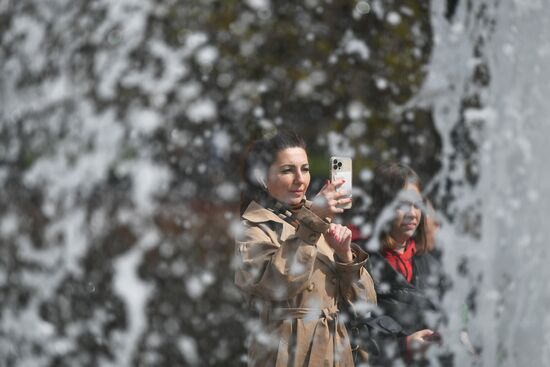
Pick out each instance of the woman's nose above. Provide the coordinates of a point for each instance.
(299, 178)
(411, 210)
(415, 211)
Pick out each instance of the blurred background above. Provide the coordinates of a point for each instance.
(122, 126)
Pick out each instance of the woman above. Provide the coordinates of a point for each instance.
(403, 270)
(296, 267)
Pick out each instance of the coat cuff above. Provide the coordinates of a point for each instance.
(308, 205)
(310, 225)
(359, 259)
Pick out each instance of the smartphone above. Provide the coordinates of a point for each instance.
(340, 168)
(434, 337)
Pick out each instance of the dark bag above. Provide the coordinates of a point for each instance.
(371, 334)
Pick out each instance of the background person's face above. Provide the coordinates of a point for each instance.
(407, 214)
(288, 177)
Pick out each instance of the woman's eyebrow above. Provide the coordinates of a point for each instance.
(293, 165)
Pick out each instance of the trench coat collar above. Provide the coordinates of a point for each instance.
(256, 213)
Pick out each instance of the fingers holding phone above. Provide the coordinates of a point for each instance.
(330, 199)
(341, 199)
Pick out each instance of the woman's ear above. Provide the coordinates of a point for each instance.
(260, 176)
(261, 180)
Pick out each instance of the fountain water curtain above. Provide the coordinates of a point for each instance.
(489, 71)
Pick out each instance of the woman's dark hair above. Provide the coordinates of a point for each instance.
(257, 159)
(389, 179)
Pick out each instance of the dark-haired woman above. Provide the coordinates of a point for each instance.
(405, 274)
(297, 269)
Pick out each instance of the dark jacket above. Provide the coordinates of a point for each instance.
(407, 303)
(402, 307)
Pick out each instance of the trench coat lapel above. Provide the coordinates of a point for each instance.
(256, 213)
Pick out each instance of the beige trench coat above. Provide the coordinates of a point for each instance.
(293, 280)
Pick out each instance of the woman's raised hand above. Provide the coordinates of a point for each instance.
(420, 341)
(339, 238)
(326, 203)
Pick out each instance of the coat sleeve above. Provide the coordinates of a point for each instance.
(356, 284)
(276, 271)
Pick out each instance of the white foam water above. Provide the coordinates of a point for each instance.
(504, 270)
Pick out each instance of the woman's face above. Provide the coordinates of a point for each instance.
(288, 177)
(407, 214)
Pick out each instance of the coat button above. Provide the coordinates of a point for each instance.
(334, 280)
(311, 287)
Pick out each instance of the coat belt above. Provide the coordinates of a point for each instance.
(278, 314)
(328, 330)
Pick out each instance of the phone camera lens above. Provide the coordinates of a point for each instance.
(339, 164)
(335, 167)
(335, 161)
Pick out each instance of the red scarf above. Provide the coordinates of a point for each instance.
(402, 262)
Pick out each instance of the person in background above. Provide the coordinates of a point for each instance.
(405, 274)
(296, 268)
